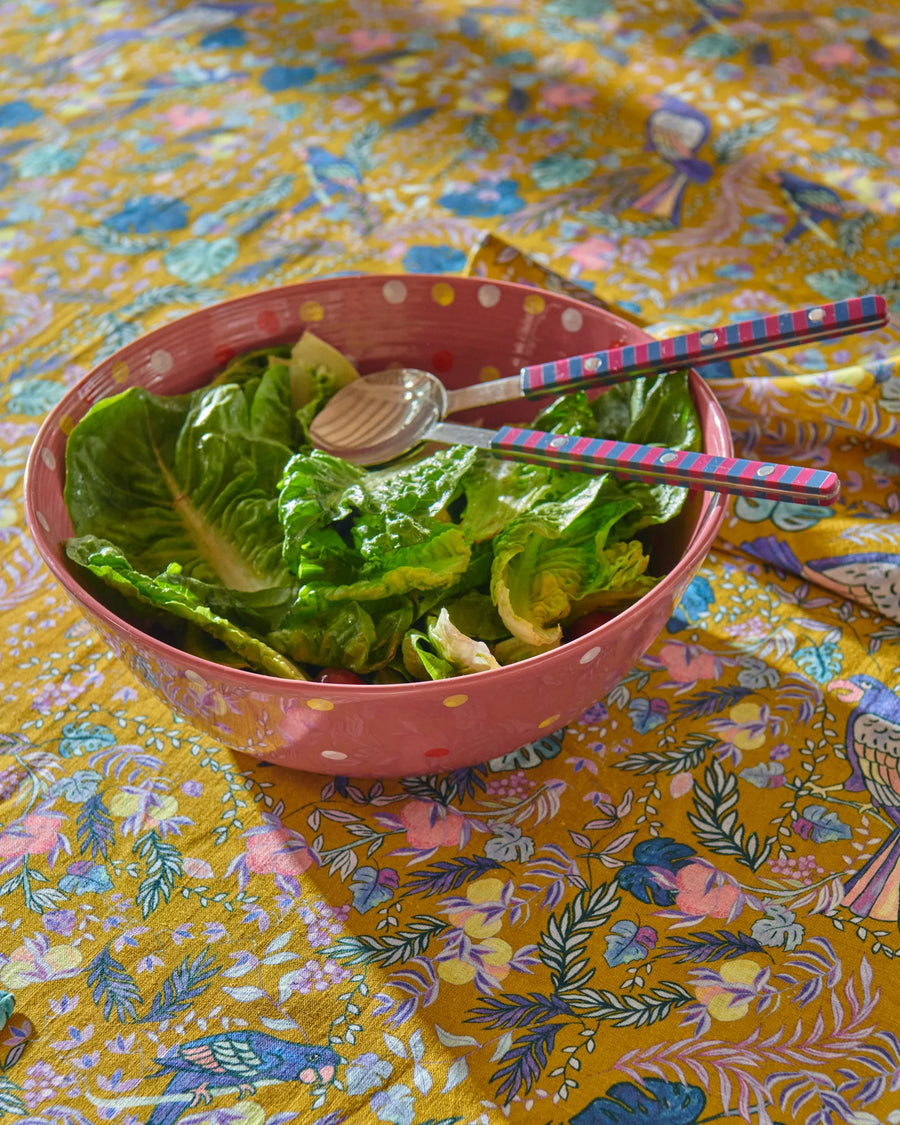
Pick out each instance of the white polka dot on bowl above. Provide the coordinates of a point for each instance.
(161, 361)
(394, 292)
(488, 296)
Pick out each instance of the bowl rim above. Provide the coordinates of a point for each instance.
(705, 531)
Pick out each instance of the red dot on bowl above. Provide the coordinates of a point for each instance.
(267, 321)
(223, 353)
(442, 361)
(437, 752)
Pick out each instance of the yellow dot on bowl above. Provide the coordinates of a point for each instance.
(311, 310)
(120, 372)
(320, 704)
(48, 459)
(443, 293)
(591, 654)
(534, 304)
(549, 722)
(456, 700)
(334, 755)
(572, 320)
(486, 374)
(67, 424)
(161, 361)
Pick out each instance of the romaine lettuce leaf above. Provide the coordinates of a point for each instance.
(555, 556)
(475, 614)
(361, 636)
(657, 410)
(394, 537)
(190, 479)
(653, 410)
(251, 365)
(108, 563)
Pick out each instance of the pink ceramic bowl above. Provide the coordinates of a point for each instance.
(462, 329)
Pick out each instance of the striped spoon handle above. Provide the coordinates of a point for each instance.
(729, 341)
(668, 466)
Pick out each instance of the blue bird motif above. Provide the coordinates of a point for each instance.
(234, 1058)
(873, 750)
(677, 132)
(714, 12)
(869, 577)
(330, 175)
(812, 203)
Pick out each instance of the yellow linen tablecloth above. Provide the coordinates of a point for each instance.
(682, 909)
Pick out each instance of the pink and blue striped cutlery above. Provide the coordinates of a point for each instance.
(380, 417)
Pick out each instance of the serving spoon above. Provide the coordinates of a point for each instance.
(382, 416)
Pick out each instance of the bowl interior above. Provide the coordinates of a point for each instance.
(462, 329)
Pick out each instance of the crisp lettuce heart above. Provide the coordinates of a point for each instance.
(555, 557)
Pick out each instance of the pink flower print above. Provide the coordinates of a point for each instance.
(594, 253)
(703, 892)
(32, 835)
(686, 664)
(272, 849)
(561, 94)
(184, 118)
(367, 40)
(835, 55)
(431, 825)
(277, 851)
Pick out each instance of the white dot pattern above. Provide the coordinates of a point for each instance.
(394, 292)
(161, 361)
(488, 296)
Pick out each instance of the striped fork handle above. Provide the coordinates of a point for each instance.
(668, 466)
(744, 337)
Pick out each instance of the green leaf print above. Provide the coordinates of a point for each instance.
(164, 866)
(197, 259)
(715, 820)
(112, 986)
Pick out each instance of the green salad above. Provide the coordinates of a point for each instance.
(210, 520)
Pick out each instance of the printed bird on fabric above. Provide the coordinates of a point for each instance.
(870, 577)
(873, 750)
(713, 12)
(677, 132)
(812, 203)
(235, 1058)
(330, 176)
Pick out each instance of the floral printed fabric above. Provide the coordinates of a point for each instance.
(685, 907)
